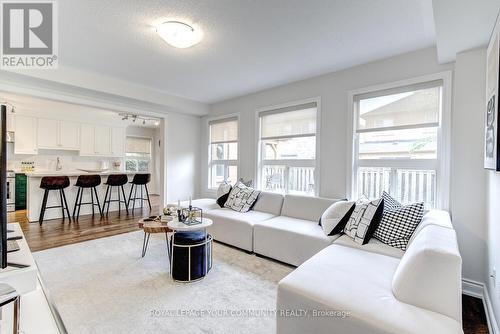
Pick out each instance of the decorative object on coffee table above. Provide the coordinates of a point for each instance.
(191, 252)
(150, 225)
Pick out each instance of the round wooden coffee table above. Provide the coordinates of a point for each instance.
(149, 225)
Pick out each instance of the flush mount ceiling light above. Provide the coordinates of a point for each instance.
(179, 34)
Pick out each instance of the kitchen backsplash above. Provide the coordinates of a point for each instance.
(70, 160)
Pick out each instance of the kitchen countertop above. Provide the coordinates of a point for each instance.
(75, 173)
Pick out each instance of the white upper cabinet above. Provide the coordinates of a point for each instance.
(118, 142)
(95, 140)
(25, 137)
(102, 140)
(87, 140)
(69, 135)
(56, 134)
(48, 133)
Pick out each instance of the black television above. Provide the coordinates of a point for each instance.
(3, 186)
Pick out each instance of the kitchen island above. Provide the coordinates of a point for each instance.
(35, 193)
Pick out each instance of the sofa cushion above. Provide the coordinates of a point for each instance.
(305, 207)
(269, 202)
(235, 228)
(431, 267)
(289, 240)
(433, 217)
(374, 246)
(347, 279)
(364, 220)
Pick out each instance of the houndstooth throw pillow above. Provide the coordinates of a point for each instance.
(390, 202)
(397, 226)
(241, 198)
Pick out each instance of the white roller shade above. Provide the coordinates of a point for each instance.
(293, 123)
(224, 131)
(412, 106)
(138, 145)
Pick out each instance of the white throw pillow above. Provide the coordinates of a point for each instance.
(223, 193)
(364, 221)
(335, 217)
(241, 198)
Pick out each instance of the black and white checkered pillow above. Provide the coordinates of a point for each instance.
(390, 203)
(397, 225)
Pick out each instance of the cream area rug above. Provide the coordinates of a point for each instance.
(104, 286)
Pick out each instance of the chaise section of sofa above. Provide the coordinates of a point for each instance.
(377, 293)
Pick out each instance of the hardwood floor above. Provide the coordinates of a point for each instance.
(58, 232)
(55, 233)
(473, 316)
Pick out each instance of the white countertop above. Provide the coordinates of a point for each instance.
(74, 173)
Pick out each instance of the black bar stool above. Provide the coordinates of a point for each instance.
(115, 180)
(87, 182)
(49, 183)
(141, 180)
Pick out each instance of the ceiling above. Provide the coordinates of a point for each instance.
(249, 45)
(462, 25)
(30, 104)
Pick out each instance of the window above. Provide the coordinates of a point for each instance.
(138, 154)
(223, 152)
(397, 143)
(288, 149)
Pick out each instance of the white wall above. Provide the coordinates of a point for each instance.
(332, 89)
(468, 177)
(466, 165)
(183, 157)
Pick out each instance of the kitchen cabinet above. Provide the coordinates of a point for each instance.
(95, 140)
(118, 142)
(87, 140)
(57, 134)
(69, 135)
(48, 137)
(25, 135)
(102, 140)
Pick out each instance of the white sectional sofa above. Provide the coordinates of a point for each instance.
(381, 289)
(418, 291)
(295, 230)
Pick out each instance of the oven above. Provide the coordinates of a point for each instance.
(11, 191)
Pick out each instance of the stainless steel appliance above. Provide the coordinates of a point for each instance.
(11, 191)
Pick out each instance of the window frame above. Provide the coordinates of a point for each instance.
(442, 162)
(226, 163)
(151, 146)
(289, 162)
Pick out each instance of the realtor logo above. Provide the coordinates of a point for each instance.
(29, 34)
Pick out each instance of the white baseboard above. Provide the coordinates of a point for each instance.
(479, 290)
